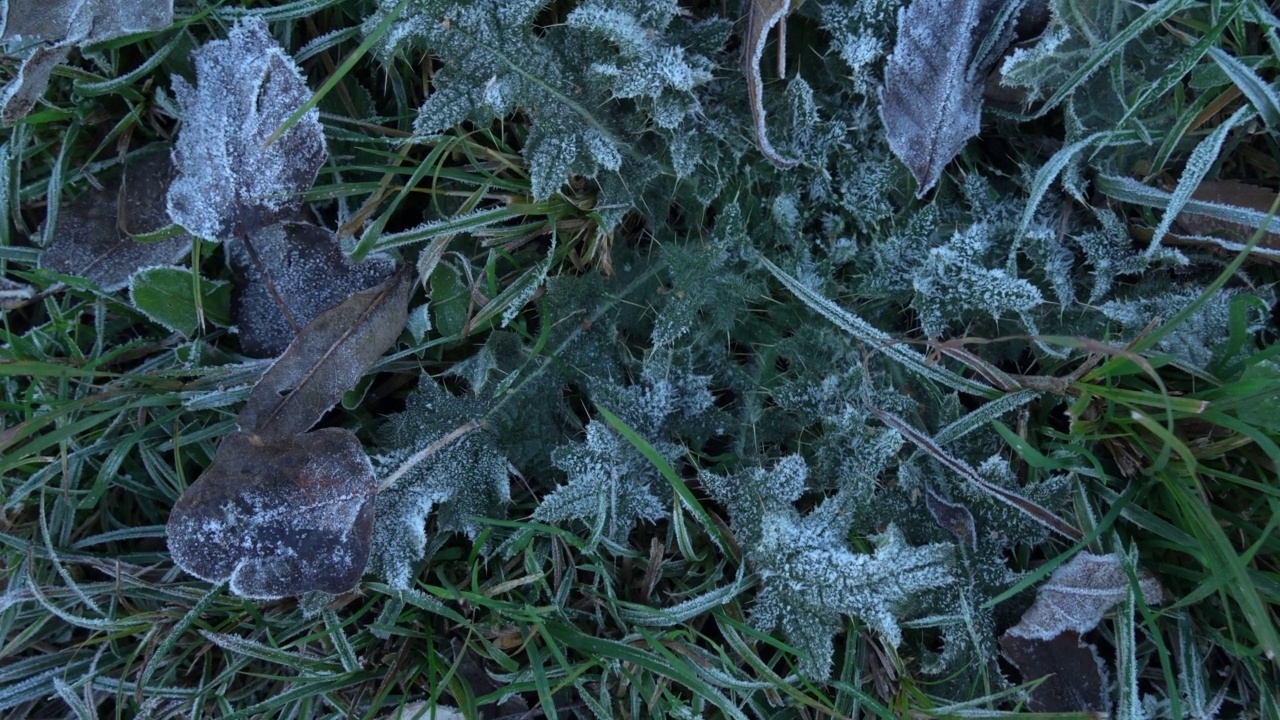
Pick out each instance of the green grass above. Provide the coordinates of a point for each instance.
(105, 420)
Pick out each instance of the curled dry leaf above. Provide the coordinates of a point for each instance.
(93, 239)
(278, 516)
(931, 102)
(327, 359)
(293, 268)
(232, 182)
(762, 16)
(1079, 593)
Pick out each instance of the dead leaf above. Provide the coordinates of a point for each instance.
(297, 265)
(1230, 193)
(42, 32)
(1073, 677)
(953, 517)
(931, 102)
(92, 239)
(326, 359)
(231, 181)
(1079, 593)
(278, 516)
(761, 17)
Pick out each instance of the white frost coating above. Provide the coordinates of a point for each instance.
(931, 103)
(231, 181)
(1079, 593)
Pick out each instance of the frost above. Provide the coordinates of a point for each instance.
(304, 267)
(1079, 593)
(585, 84)
(42, 33)
(1196, 339)
(92, 240)
(465, 478)
(810, 576)
(231, 181)
(278, 517)
(860, 31)
(609, 483)
(952, 281)
(931, 103)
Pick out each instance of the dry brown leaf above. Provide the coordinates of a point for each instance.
(278, 517)
(326, 359)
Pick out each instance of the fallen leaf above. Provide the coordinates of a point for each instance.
(297, 265)
(93, 239)
(1235, 194)
(231, 182)
(278, 516)
(952, 517)
(326, 359)
(42, 32)
(761, 17)
(1079, 593)
(931, 102)
(1072, 676)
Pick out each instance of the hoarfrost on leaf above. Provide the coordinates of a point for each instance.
(1079, 593)
(326, 359)
(297, 264)
(278, 517)
(609, 483)
(92, 238)
(433, 458)
(953, 280)
(231, 181)
(810, 576)
(931, 103)
(1198, 337)
(42, 33)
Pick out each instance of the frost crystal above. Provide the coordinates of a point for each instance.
(810, 575)
(304, 266)
(465, 479)
(231, 181)
(953, 281)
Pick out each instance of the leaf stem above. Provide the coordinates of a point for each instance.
(453, 435)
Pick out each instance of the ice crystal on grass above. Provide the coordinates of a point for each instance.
(433, 457)
(810, 575)
(231, 180)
